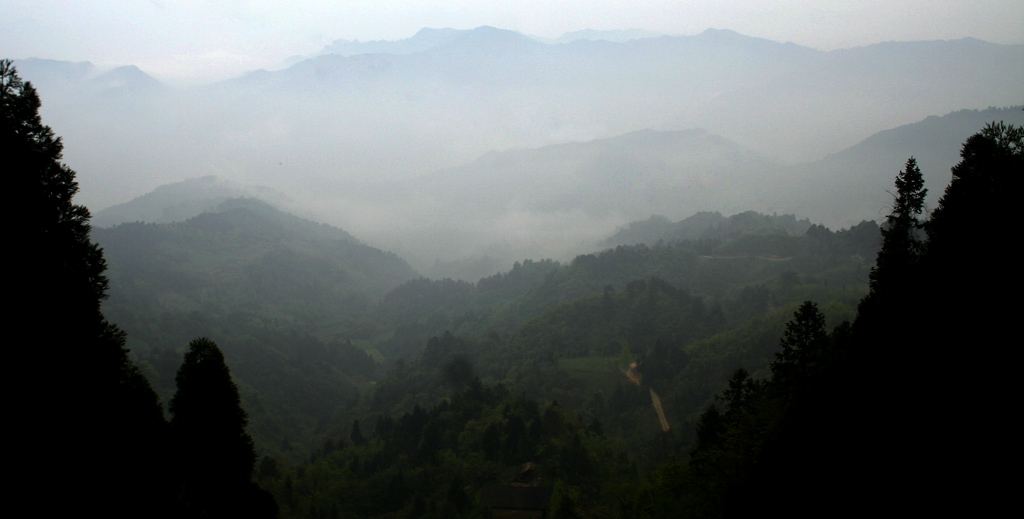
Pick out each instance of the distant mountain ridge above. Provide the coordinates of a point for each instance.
(556, 201)
(642, 170)
(335, 131)
(180, 201)
(857, 183)
(548, 202)
(428, 38)
(87, 78)
(425, 39)
(246, 256)
(561, 200)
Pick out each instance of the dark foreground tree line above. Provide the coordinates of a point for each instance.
(90, 432)
(905, 410)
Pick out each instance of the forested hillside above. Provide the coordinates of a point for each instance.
(246, 256)
(298, 308)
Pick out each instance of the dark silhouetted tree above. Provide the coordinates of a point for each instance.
(803, 348)
(978, 202)
(967, 269)
(741, 392)
(215, 455)
(903, 221)
(896, 267)
(90, 383)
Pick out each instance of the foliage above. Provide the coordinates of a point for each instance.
(248, 257)
(89, 380)
(294, 322)
(799, 437)
(804, 347)
(214, 454)
(433, 461)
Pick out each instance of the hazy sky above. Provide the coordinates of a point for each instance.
(188, 41)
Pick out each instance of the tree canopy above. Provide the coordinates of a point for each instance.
(215, 454)
(59, 282)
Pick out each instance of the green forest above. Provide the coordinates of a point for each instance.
(247, 362)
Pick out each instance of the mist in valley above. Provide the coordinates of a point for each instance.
(460, 144)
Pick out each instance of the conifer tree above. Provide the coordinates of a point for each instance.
(969, 284)
(803, 348)
(901, 244)
(895, 271)
(216, 456)
(926, 331)
(91, 389)
(979, 201)
(59, 271)
(896, 281)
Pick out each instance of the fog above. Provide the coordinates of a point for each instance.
(457, 144)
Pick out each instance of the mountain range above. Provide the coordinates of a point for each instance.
(533, 148)
(336, 117)
(566, 199)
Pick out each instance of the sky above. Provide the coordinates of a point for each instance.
(198, 41)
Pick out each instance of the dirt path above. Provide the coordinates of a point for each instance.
(661, 412)
(634, 377)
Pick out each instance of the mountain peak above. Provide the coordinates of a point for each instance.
(487, 36)
(721, 34)
(127, 77)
